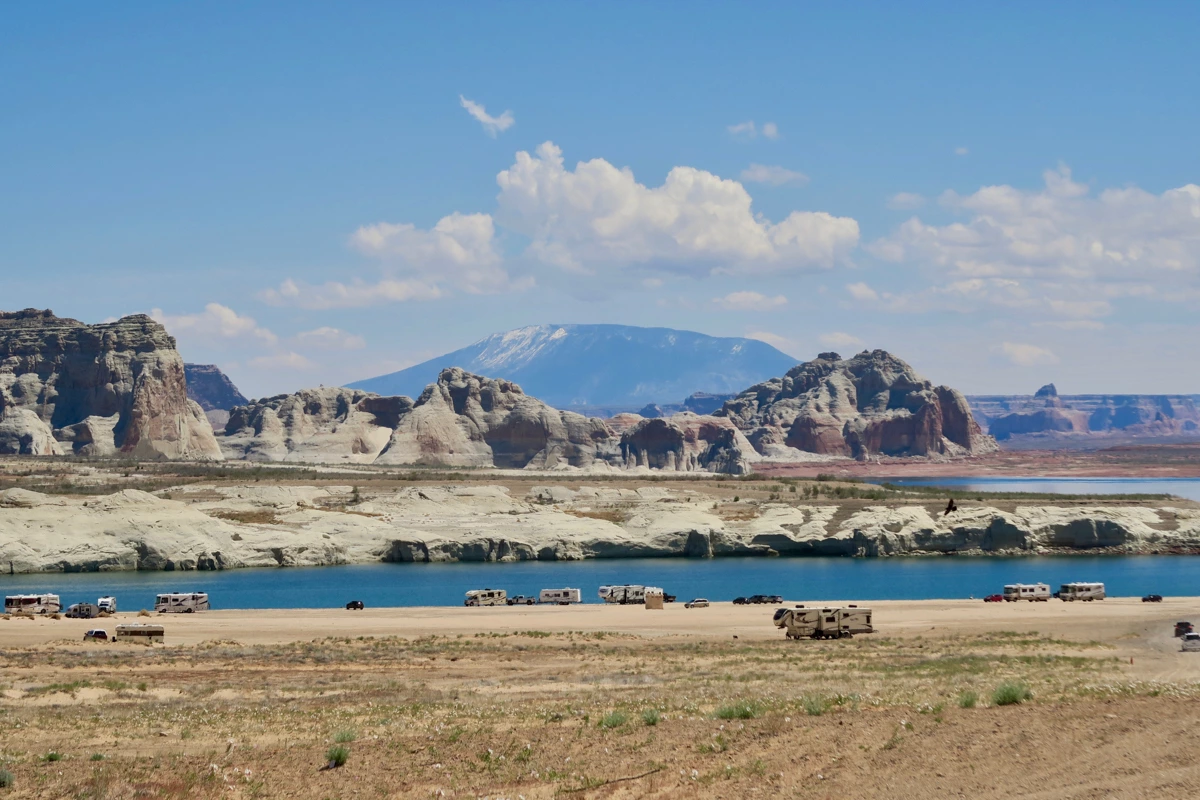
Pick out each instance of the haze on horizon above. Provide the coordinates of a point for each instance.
(1002, 196)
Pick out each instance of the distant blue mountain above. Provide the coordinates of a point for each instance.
(601, 365)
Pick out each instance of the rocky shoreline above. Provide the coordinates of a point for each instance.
(202, 527)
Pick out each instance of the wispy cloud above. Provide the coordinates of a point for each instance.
(750, 301)
(905, 201)
(1026, 355)
(491, 125)
(773, 175)
(783, 343)
(327, 338)
(839, 339)
(961, 151)
(750, 130)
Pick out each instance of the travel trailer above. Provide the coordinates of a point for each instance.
(562, 597)
(486, 597)
(32, 604)
(107, 604)
(139, 634)
(181, 603)
(1081, 591)
(83, 611)
(630, 594)
(1034, 592)
(824, 623)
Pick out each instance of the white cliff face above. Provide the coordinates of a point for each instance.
(306, 525)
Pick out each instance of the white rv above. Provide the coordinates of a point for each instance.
(107, 604)
(630, 594)
(139, 634)
(181, 603)
(1081, 591)
(562, 597)
(486, 597)
(1033, 592)
(32, 604)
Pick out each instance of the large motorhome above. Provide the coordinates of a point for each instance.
(1034, 592)
(1081, 591)
(139, 634)
(107, 604)
(181, 603)
(486, 597)
(562, 597)
(32, 604)
(630, 594)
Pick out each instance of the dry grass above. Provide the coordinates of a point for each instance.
(258, 517)
(542, 715)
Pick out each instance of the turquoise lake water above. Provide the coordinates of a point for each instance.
(1180, 487)
(797, 579)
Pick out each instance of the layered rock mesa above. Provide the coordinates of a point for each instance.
(462, 420)
(1047, 412)
(212, 390)
(96, 390)
(871, 404)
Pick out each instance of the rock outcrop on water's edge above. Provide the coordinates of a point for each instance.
(110, 389)
(314, 526)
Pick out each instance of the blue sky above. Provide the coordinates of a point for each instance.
(1002, 196)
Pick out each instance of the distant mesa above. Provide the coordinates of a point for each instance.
(1047, 416)
(211, 389)
(119, 388)
(869, 405)
(619, 367)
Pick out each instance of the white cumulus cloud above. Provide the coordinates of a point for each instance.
(695, 222)
(215, 322)
(861, 291)
(491, 125)
(1027, 355)
(773, 175)
(750, 301)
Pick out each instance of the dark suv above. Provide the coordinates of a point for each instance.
(355, 605)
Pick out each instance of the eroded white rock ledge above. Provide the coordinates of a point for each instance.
(223, 527)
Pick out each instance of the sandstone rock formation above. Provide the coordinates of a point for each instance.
(1047, 413)
(870, 404)
(463, 420)
(95, 390)
(312, 526)
(686, 443)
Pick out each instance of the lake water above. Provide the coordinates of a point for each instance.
(797, 579)
(1180, 487)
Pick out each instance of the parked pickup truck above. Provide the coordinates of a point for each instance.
(522, 600)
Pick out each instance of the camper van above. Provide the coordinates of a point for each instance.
(562, 597)
(181, 603)
(32, 604)
(1033, 592)
(486, 597)
(1081, 591)
(107, 604)
(139, 634)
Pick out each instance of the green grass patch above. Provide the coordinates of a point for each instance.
(614, 719)
(345, 737)
(651, 717)
(1011, 693)
(337, 756)
(968, 699)
(741, 710)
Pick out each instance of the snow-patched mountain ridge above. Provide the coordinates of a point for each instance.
(593, 365)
